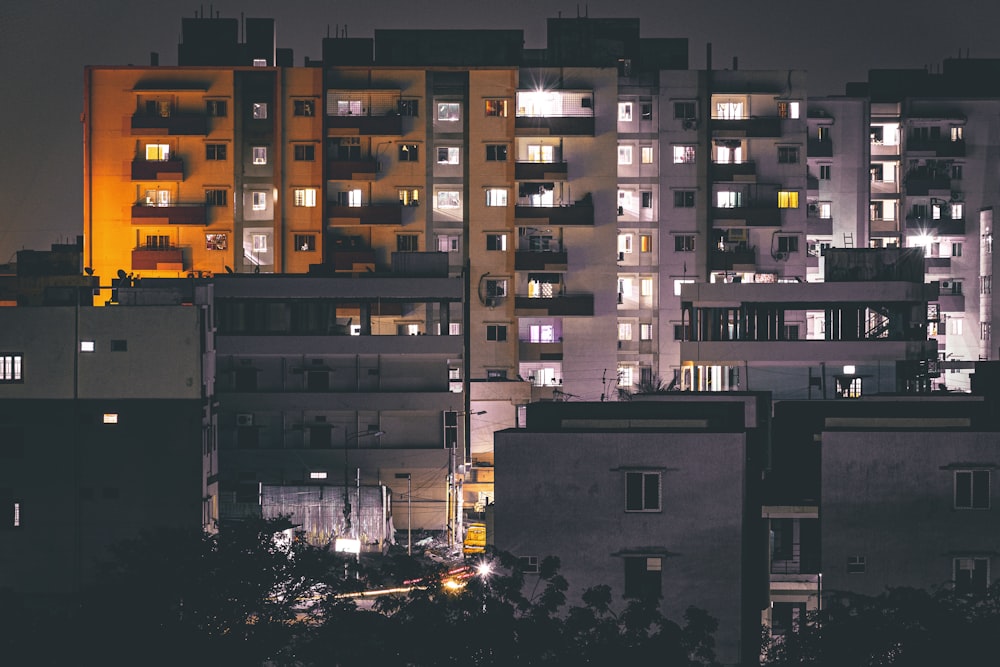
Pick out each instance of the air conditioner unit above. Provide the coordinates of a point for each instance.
(956, 195)
(491, 301)
(244, 419)
(813, 207)
(780, 256)
(690, 124)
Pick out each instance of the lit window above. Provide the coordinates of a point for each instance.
(454, 329)
(317, 475)
(645, 332)
(625, 243)
(955, 326)
(305, 242)
(10, 367)
(17, 515)
(541, 153)
(449, 111)
(646, 287)
(260, 110)
(645, 243)
(624, 155)
(624, 112)
(86, 346)
(496, 108)
(642, 491)
(825, 210)
(449, 199)
(448, 154)
(348, 107)
(625, 376)
(448, 243)
(496, 242)
(957, 211)
(304, 197)
(260, 154)
(788, 199)
(496, 197)
(788, 109)
(259, 62)
(259, 242)
(624, 331)
(647, 155)
(409, 197)
(681, 281)
(157, 152)
(957, 133)
(110, 417)
(259, 201)
(683, 154)
(624, 288)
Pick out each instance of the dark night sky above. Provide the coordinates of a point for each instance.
(44, 45)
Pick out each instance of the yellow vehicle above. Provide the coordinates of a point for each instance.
(475, 539)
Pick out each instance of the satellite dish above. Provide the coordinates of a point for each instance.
(122, 275)
(229, 269)
(89, 271)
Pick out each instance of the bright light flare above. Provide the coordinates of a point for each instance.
(484, 569)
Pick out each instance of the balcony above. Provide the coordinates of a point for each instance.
(939, 147)
(158, 170)
(173, 214)
(729, 171)
(812, 183)
(157, 259)
(528, 351)
(951, 303)
(726, 260)
(351, 170)
(557, 126)
(747, 127)
(941, 226)
(172, 125)
(369, 214)
(579, 214)
(936, 263)
(390, 124)
(920, 184)
(819, 148)
(529, 260)
(353, 260)
(540, 171)
(559, 306)
(753, 215)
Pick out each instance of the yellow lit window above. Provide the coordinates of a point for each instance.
(645, 243)
(157, 152)
(788, 199)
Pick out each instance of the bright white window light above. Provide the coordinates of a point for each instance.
(110, 417)
(849, 370)
(86, 346)
(317, 475)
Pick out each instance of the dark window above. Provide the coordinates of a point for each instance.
(11, 442)
(496, 374)
(972, 489)
(685, 110)
(642, 491)
(305, 152)
(215, 151)
(321, 436)
(496, 152)
(247, 437)
(647, 199)
(409, 152)
(684, 243)
(305, 242)
(788, 244)
(119, 345)
(496, 332)
(245, 379)
(788, 154)
(647, 110)
(683, 198)
(857, 564)
(824, 172)
(643, 577)
(682, 332)
(217, 108)
(407, 107)
(406, 242)
(215, 197)
(529, 564)
(496, 241)
(317, 380)
(956, 172)
(304, 107)
(971, 575)
(248, 492)
(787, 617)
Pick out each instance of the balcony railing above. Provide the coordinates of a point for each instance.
(540, 171)
(351, 170)
(748, 127)
(157, 259)
(368, 214)
(528, 351)
(351, 260)
(819, 148)
(580, 213)
(567, 126)
(727, 171)
(921, 184)
(753, 215)
(529, 260)
(158, 170)
(944, 225)
(390, 124)
(940, 147)
(173, 214)
(565, 305)
(174, 124)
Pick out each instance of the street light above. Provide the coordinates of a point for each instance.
(409, 512)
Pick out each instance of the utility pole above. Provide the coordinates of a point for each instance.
(409, 511)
